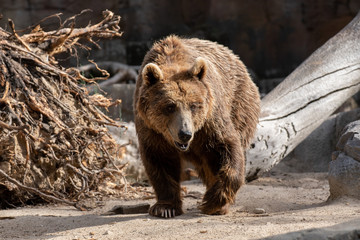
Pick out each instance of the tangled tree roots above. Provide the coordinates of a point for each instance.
(54, 144)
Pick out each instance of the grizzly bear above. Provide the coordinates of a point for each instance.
(194, 101)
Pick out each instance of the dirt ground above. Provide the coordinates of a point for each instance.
(295, 206)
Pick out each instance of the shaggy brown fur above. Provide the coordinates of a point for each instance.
(194, 101)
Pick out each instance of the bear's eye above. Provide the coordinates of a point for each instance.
(195, 106)
(170, 108)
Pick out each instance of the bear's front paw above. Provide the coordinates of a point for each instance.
(165, 210)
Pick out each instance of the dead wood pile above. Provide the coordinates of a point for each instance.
(54, 144)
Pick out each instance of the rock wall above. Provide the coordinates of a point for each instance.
(272, 37)
(344, 169)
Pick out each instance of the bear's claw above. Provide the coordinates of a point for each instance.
(164, 211)
(167, 213)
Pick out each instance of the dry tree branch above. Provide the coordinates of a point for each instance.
(7, 126)
(36, 27)
(12, 26)
(53, 136)
(34, 190)
(64, 38)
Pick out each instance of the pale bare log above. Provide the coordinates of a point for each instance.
(306, 98)
(119, 72)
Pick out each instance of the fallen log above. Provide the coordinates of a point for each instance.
(118, 72)
(306, 98)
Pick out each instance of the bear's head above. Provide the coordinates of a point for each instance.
(175, 101)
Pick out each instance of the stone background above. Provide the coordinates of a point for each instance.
(272, 37)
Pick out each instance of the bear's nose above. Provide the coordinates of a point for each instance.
(184, 136)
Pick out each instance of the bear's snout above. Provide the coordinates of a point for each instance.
(184, 136)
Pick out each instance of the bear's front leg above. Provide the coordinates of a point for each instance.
(163, 170)
(228, 179)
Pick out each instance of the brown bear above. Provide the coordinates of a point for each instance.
(194, 101)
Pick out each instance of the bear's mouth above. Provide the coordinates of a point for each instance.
(182, 146)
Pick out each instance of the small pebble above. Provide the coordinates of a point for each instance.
(203, 231)
(259, 211)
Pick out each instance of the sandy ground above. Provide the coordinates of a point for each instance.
(292, 202)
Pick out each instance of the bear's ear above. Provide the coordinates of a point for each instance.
(151, 74)
(199, 68)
